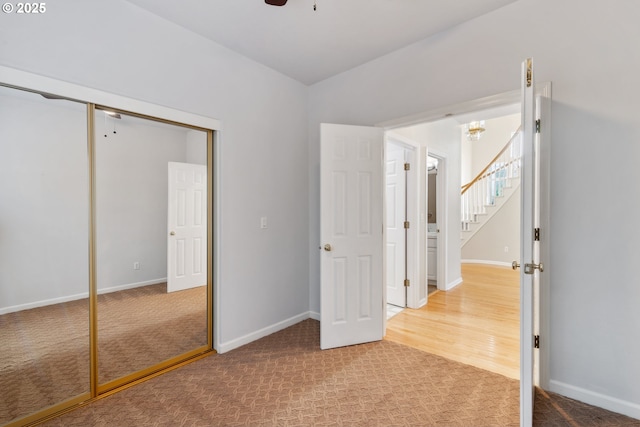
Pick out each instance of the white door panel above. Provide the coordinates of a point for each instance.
(351, 184)
(395, 239)
(187, 226)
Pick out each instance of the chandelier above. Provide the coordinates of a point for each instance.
(474, 130)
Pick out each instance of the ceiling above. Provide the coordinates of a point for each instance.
(309, 45)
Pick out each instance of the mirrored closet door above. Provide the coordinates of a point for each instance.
(151, 242)
(44, 241)
(106, 242)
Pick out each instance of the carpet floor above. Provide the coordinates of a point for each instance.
(286, 380)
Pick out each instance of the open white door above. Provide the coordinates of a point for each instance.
(529, 252)
(396, 204)
(351, 231)
(187, 227)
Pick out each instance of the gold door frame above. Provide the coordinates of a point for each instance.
(96, 390)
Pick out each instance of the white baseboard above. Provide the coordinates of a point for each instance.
(613, 404)
(314, 315)
(42, 303)
(131, 285)
(67, 298)
(453, 284)
(487, 262)
(246, 339)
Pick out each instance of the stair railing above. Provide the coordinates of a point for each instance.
(482, 191)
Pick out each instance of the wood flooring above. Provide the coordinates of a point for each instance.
(476, 323)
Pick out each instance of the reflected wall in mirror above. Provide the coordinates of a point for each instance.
(44, 234)
(151, 242)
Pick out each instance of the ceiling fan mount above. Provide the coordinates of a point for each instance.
(283, 2)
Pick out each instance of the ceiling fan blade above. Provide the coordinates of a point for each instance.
(276, 2)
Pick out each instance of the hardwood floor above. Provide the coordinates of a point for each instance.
(477, 322)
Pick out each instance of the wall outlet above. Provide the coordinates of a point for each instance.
(506, 248)
(263, 222)
(136, 265)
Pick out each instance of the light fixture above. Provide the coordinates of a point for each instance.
(474, 130)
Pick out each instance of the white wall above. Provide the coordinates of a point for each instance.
(593, 65)
(43, 231)
(119, 48)
(498, 241)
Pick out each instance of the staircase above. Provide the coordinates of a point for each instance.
(491, 188)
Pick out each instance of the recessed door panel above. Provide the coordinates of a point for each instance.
(339, 290)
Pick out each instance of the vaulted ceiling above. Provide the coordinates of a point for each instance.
(311, 45)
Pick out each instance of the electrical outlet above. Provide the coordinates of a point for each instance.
(263, 222)
(136, 265)
(506, 248)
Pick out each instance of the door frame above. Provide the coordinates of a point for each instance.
(443, 209)
(543, 90)
(415, 245)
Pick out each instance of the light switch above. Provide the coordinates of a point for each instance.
(263, 222)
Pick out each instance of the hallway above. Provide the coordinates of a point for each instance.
(476, 323)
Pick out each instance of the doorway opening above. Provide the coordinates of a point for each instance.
(448, 266)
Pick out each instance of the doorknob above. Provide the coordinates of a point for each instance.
(515, 265)
(327, 247)
(173, 233)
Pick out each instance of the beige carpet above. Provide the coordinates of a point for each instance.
(286, 380)
(44, 352)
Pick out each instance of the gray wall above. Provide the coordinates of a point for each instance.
(589, 51)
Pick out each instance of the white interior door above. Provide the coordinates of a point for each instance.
(351, 231)
(395, 200)
(187, 226)
(529, 251)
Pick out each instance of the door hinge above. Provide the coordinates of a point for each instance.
(536, 234)
(407, 166)
(407, 282)
(407, 224)
(538, 126)
(536, 341)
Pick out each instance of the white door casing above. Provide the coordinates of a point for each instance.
(395, 201)
(529, 248)
(351, 233)
(187, 226)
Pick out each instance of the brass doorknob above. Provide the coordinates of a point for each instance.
(327, 247)
(173, 233)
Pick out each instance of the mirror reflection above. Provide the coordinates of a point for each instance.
(44, 279)
(151, 242)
